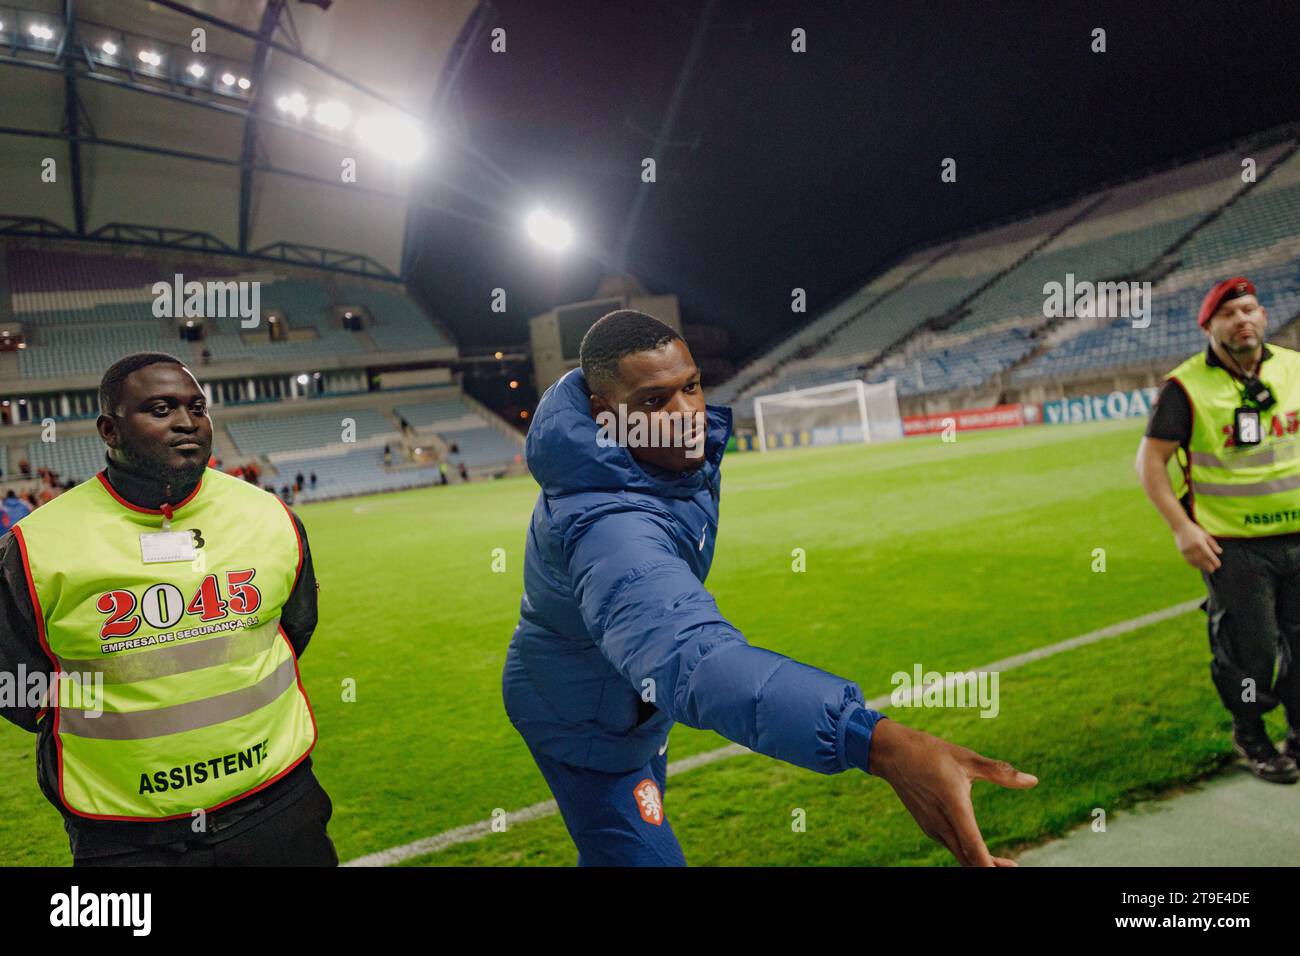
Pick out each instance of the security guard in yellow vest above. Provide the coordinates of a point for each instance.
(1233, 414)
(167, 603)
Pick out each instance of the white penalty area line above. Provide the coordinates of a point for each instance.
(537, 811)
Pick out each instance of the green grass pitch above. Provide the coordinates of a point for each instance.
(947, 555)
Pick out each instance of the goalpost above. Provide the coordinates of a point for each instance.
(851, 411)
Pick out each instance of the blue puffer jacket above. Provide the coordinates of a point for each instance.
(13, 510)
(614, 610)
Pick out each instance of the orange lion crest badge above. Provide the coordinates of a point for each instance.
(649, 802)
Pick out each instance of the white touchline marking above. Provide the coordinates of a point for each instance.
(475, 831)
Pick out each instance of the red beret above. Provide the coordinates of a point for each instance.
(1227, 289)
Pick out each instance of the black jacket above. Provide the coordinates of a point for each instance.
(19, 644)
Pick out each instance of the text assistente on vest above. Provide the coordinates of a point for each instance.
(181, 610)
(1232, 413)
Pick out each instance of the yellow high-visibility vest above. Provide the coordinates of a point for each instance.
(195, 682)
(1243, 491)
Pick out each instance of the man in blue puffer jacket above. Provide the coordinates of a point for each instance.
(618, 638)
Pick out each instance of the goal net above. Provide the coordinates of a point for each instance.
(850, 411)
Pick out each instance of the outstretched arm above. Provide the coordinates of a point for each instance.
(659, 627)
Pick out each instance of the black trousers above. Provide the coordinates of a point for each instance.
(292, 836)
(1254, 625)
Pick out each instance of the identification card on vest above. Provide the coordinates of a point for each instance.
(1246, 426)
(159, 546)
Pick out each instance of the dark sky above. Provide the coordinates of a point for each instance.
(817, 169)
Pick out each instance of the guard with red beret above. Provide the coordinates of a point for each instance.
(1232, 414)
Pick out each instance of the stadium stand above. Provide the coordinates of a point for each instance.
(76, 457)
(79, 311)
(291, 442)
(398, 322)
(457, 422)
(957, 363)
(60, 274)
(480, 447)
(947, 278)
(462, 432)
(353, 473)
(1171, 334)
(277, 433)
(105, 308)
(306, 443)
(1258, 235)
(303, 303)
(439, 409)
(972, 313)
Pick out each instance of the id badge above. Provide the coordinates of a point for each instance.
(1246, 426)
(161, 546)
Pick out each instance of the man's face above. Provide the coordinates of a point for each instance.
(1238, 325)
(161, 425)
(659, 383)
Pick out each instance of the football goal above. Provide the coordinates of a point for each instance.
(851, 411)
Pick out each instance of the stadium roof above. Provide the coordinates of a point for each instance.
(224, 164)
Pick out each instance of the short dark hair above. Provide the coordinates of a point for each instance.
(110, 386)
(617, 334)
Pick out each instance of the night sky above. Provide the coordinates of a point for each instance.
(817, 169)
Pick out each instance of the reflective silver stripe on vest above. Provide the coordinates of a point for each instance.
(1210, 489)
(1281, 449)
(1206, 460)
(138, 725)
(178, 658)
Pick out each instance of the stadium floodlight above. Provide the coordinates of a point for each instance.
(244, 83)
(196, 70)
(548, 230)
(109, 48)
(835, 414)
(41, 32)
(392, 135)
(294, 104)
(333, 114)
(228, 79)
(150, 58)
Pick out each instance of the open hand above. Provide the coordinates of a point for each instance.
(933, 779)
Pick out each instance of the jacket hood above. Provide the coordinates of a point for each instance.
(565, 458)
